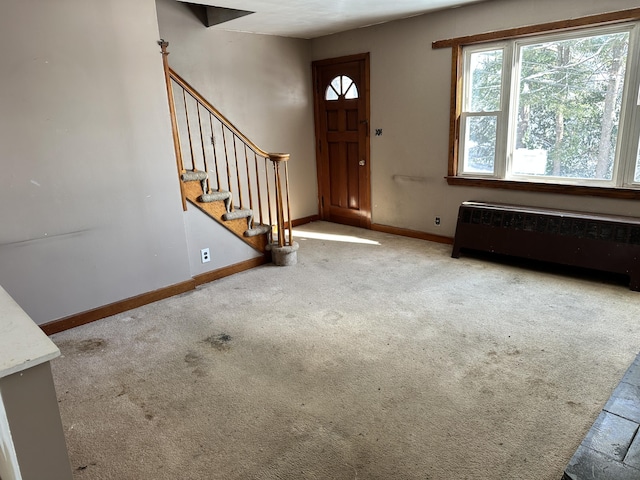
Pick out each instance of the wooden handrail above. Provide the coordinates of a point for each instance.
(194, 93)
(172, 113)
(244, 181)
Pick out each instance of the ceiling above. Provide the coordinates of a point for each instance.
(315, 18)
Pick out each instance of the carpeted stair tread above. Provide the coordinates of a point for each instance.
(257, 230)
(194, 176)
(214, 197)
(239, 213)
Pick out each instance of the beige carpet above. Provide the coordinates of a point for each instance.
(376, 357)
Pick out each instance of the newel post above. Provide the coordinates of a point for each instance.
(285, 251)
(174, 122)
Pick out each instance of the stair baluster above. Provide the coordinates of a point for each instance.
(257, 186)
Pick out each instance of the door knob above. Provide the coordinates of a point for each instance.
(361, 163)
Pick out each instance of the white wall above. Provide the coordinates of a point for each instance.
(224, 247)
(410, 92)
(261, 83)
(90, 208)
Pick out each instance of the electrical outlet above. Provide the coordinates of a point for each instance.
(437, 221)
(205, 256)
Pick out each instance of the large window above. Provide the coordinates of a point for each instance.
(556, 108)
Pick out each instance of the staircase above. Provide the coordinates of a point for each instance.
(227, 176)
(218, 205)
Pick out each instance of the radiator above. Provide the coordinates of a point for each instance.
(600, 242)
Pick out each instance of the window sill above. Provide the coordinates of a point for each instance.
(610, 192)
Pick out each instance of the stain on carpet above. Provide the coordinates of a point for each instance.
(193, 358)
(133, 397)
(220, 342)
(146, 411)
(124, 391)
(90, 345)
(81, 468)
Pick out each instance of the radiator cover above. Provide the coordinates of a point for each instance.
(602, 242)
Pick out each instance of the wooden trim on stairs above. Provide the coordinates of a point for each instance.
(215, 210)
(405, 232)
(143, 299)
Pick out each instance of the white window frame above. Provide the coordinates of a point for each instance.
(501, 114)
(626, 152)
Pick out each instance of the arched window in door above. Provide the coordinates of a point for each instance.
(341, 86)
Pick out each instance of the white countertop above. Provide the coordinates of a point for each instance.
(22, 343)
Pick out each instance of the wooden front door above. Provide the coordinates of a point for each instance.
(341, 96)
